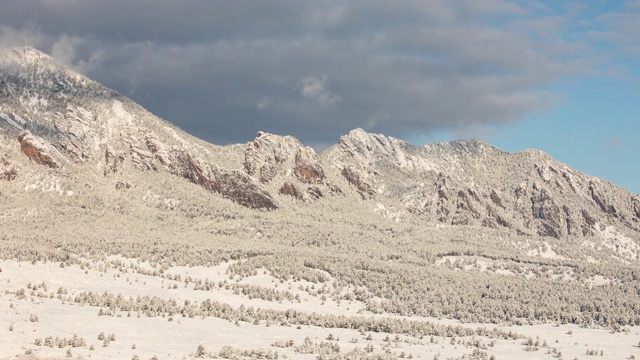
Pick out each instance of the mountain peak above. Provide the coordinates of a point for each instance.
(464, 146)
(25, 55)
(364, 136)
(33, 53)
(362, 142)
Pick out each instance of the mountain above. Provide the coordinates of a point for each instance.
(64, 120)
(71, 127)
(469, 182)
(373, 235)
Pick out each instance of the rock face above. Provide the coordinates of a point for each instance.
(307, 166)
(274, 158)
(34, 149)
(264, 156)
(66, 122)
(234, 184)
(356, 180)
(113, 160)
(471, 183)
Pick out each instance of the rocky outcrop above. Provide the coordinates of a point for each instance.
(307, 167)
(270, 156)
(356, 180)
(241, 188)
(635, 209)
(601, 201)
(315, 192)
(544, 209)
(141, 158)
(496, 199)
(265, 155)
(35, 150)
(113, 160)
(74, 134)
(588, 223)
(234, 185)
(158, 149)
(291, 190)
(366, 148)
(465, 209)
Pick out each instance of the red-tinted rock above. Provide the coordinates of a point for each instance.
(34, 149)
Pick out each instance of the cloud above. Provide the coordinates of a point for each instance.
(263, 103)
(26, 35)
(224, 69)
(65, 50)
(315, 89)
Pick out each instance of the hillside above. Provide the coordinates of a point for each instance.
(373, 234)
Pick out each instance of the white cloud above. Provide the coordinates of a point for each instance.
(263, 103)
(65, 50)
(315, 89)
(26, 36)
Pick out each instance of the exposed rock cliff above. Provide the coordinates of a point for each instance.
(292, 165)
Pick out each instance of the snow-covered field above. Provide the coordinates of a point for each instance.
(42, 312)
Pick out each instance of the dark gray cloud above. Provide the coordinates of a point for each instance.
(224, 69)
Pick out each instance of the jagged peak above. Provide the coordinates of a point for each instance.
(358, 134)
(385, 144)
(266, 136)
(471, 146)
(362, 142)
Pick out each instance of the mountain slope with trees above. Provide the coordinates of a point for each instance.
(459, 230)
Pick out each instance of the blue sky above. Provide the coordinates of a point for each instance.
(559, 76)
(595, 125)
(596, 129)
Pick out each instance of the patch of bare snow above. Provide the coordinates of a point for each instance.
(121, 115)
(547, 253)
(48, 184)
(622, 244)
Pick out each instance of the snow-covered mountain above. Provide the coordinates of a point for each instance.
(469, 182)
(62, 132)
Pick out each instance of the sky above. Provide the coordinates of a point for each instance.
(559, 76)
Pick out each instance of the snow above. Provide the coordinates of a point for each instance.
(122, 115)
(622, 244)
(547, 253)
(177, 337)
(185, 144)
(49, 184)
(10, 121)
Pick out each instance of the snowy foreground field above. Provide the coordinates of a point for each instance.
(120, 308)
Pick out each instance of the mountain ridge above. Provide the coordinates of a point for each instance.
(70, 123)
